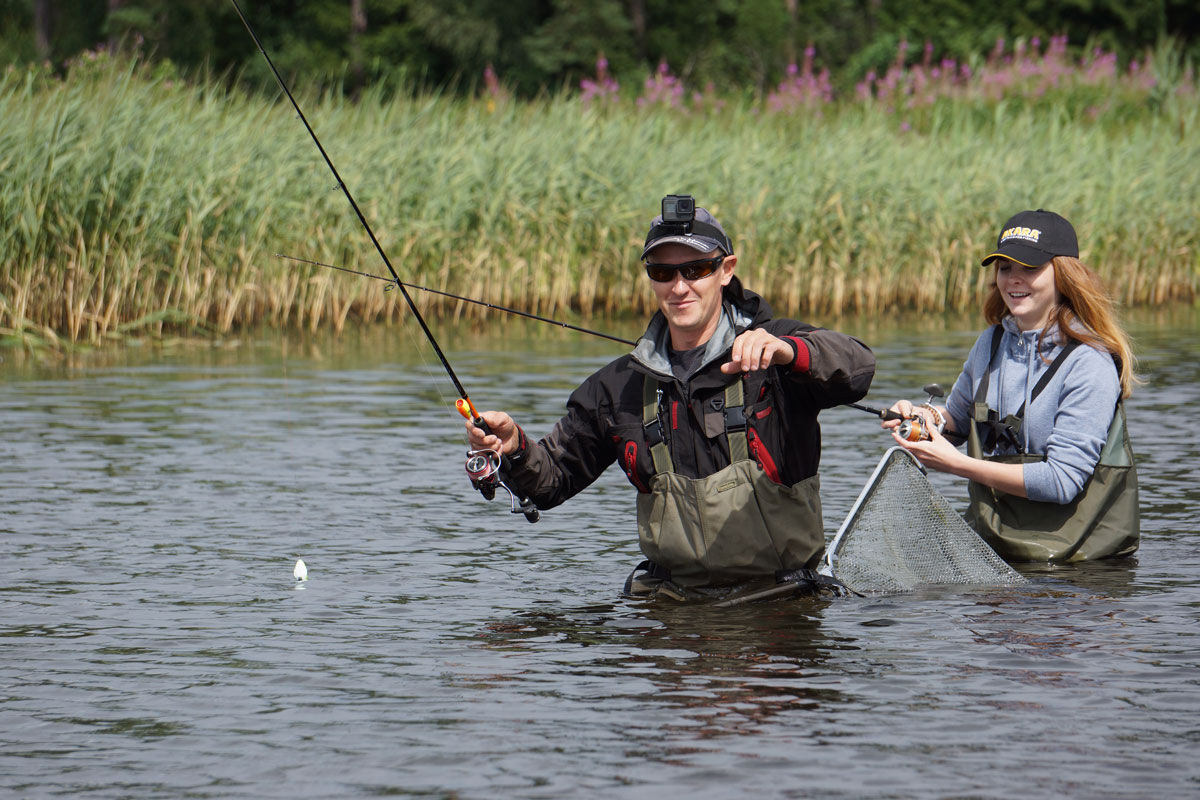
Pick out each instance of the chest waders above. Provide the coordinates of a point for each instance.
(1101, 522)
(732, 526)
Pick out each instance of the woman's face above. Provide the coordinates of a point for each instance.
(1029, 292)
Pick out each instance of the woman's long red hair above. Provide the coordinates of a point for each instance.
(1084, 301)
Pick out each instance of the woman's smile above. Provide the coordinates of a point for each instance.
(1029, 292)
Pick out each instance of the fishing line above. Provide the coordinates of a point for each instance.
(911, 428)
(483, 303)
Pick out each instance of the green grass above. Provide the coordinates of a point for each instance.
(134, 203)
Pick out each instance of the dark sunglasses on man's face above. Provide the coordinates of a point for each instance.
(689, 271)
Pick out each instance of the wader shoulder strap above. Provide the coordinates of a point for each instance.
(651, 395)
(986, 426)
(735, 424)
(993, 428)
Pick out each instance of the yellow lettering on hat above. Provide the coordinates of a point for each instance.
(1029, 234)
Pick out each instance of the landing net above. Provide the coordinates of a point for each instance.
(901, 534)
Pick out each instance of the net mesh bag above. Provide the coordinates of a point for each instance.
(901, 534)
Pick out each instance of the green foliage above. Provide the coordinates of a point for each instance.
(133, 198)
(569, 41)
(16, 32)
(533, 44)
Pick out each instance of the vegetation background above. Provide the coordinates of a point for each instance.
(739, 45)
(861, 153)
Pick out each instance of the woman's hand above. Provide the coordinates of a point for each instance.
(939, 454)
(936, 452)
(504, 437)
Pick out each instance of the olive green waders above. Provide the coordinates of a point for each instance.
(1101, 522)
(733, 526)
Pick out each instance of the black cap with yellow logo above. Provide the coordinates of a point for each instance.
(1034, 237)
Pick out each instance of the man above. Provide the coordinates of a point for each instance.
(713, 417)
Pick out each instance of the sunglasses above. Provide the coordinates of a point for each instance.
(689, 271)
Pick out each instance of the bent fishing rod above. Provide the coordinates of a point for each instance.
(451, 295)
(487, 469)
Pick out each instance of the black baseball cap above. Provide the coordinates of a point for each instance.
(703, 234)
(1034, 237)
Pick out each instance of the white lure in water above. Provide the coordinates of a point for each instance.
(301, 571)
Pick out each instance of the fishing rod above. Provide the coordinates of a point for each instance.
(911, 429)
(487, 469)
(483, 303)
(882, 413)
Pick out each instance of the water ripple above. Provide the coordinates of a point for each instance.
(156, 644)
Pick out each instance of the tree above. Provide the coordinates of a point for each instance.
(114, 12)
(43, 27)
(358, 29)
(567, 43)
(637, 19)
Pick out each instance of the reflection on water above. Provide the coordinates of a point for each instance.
(708, 672)
(155, 643)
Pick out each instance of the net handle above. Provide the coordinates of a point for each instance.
(827, 563)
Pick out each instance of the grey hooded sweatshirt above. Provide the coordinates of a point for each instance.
(1068, 422)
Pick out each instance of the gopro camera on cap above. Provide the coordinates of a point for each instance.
(679, 210)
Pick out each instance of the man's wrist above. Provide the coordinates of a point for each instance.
(522, 448)
(802, 359)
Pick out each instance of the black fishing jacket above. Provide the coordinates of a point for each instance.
(604, 415)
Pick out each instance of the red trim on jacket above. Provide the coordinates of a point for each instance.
(630, 465)
(760, 454)
(803, 357)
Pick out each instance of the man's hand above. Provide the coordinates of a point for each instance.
(757, 349)
(504, 437)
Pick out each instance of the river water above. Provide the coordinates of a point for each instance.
(154, 499)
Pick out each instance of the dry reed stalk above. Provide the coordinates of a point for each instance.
(844, 232)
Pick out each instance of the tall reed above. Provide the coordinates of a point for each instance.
(133, 202)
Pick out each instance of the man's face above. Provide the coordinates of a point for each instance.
(692, 308)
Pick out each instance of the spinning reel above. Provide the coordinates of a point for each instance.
(915, 428)
(486, 469)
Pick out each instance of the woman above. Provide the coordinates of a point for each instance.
(1039, 402)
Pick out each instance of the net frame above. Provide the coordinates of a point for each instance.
(891, 556)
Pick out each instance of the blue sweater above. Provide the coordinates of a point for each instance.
(1068, 422)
